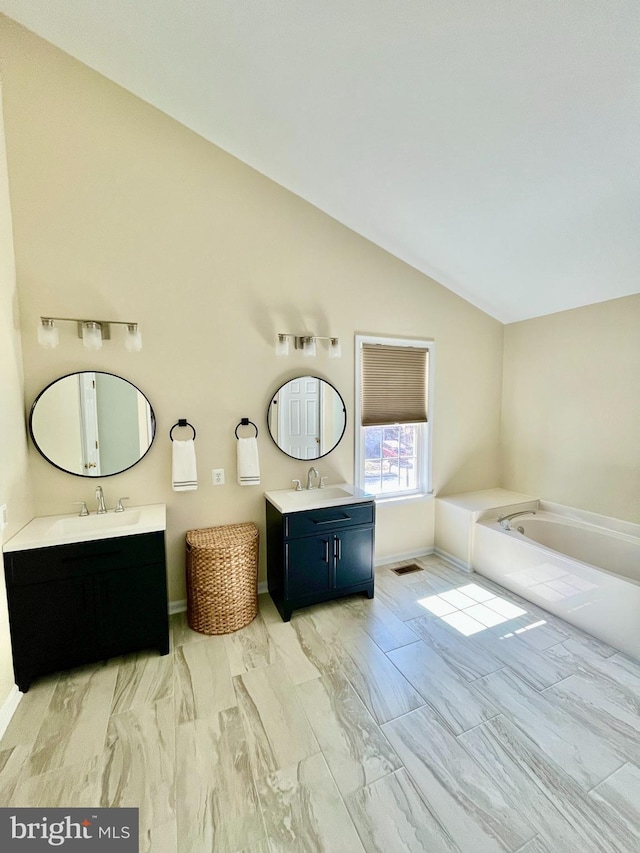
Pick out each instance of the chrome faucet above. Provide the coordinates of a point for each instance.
(504, 521)
(100, 498)
(311, 472)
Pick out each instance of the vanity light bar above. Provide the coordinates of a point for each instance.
(307, 343)
(92, 332)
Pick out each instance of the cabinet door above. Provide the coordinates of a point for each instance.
(131, 610)
(353, 552)
(51, 627)
(308, 566)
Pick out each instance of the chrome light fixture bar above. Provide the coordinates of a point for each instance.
(92, 332)
(307, 343)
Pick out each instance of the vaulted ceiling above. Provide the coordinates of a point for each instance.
(492, 144)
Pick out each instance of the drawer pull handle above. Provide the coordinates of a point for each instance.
(334, 520)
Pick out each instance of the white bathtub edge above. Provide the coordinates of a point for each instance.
(618, 525)
(607, 607)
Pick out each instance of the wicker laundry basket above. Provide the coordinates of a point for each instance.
(222, 577)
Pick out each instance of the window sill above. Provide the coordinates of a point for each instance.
(394, 500)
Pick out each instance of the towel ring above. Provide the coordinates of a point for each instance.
(246, 422)
(183, 422)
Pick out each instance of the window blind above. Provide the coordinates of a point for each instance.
(394, 384)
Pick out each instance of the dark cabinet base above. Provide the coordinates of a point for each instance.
(286, 608)
(23, 683)
(319, 555)
(71, 605)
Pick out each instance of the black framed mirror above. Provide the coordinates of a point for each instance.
(307, 417)
(92, 424)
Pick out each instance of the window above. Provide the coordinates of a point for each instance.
(392, 409)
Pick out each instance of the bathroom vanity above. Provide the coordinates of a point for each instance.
(320, 545)
(85, 589)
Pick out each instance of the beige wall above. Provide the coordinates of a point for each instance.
(121, 213)
(14, 486)
(571, 408)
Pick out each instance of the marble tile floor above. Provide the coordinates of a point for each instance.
(446, 714)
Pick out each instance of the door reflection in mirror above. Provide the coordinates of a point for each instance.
(307, 417)
(92, 424)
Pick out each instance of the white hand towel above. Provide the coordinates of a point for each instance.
(184, 476)
(248, 463)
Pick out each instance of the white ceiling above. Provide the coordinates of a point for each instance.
(492, 144)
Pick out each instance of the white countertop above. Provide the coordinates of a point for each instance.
(486, 499)
(49, 530)
(339, 494)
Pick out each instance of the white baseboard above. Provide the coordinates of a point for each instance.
(407, 555)
(8, 708)
(457, 562)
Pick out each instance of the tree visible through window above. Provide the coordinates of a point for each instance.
(390, 458)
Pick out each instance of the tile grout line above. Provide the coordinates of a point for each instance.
(627, 763)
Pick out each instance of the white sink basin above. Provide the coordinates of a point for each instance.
(69, 526)
(304, 498)
(49, 530)
(290, 500)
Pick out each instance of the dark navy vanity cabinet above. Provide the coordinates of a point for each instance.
(87, 601)
(319, 554)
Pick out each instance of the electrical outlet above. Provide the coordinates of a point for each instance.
(3, 516)
(217, 476)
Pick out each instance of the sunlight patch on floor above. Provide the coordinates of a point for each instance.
(537, 624)
(471, 609)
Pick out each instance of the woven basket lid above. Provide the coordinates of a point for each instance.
(226, 535)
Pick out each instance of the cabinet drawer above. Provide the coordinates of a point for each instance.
(316, 521)
(84, 558)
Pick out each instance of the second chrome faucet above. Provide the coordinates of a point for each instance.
(311, 473)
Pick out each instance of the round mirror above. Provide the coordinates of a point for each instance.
(307, 417)
(92, 424)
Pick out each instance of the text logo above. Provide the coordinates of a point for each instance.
(102, 830)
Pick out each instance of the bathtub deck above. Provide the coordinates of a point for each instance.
(360, 725)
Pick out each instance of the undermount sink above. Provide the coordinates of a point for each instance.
(290, 500)
(90, 523)
(50, 530)
(330, 493)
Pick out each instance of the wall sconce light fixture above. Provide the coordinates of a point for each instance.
(48, 336)
(307, 343)
(92, 332)
(309, 347)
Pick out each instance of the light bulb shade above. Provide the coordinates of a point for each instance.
(48, 334)
(282, 345)
(335, 350)
(309, 347)
(133, 340)
(92, 335)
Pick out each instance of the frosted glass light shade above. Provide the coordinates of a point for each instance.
(92, 335)
(48, 336)
(309, 347)
(282, 345)
(335, 350)
(133, 340)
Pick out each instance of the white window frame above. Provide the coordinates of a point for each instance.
(425, 455)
